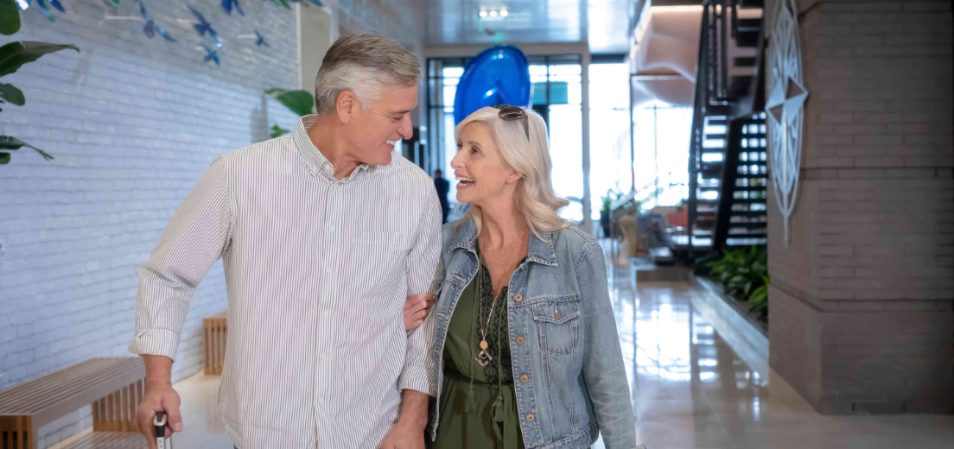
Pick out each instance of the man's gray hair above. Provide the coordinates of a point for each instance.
(363, 64)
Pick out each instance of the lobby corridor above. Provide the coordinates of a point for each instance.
(691, 390)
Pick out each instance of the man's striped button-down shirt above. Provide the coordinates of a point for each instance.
(317, 273)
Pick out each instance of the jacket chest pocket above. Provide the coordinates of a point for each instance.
(558, 324)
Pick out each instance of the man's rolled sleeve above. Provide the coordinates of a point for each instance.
(195, 238)
(421, 264)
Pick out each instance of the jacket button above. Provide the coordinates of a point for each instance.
(524, 378)
(520, 339)
(518, 297)
(530, 417)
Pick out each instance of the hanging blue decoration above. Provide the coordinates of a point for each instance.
(44, 7)
(282, 3)
(313, 2)
(260, 40)
(228, 5)
(211, 55)
(203, 26)
(151, 29)
(497, 75)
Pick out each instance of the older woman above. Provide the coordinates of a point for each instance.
(526, 353)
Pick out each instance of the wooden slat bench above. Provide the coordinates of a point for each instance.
(113, 385)
(216, 335)
(110, 440)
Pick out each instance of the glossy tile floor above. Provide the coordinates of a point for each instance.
(689, 388)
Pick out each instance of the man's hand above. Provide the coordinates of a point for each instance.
(416, 309)
(408, 431)
(404, 436)
(159, 396)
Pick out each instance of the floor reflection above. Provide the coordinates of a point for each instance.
(689, 390)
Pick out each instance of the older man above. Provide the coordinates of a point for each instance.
(323, 233)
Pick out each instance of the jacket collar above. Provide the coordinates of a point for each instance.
(539, 249)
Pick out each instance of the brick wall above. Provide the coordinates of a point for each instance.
(133, 123)
(861, 301)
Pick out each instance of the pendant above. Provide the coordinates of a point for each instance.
(483, 357)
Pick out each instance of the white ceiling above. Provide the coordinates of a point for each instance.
(602, 24)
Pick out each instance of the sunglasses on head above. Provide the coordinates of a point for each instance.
(510, 113)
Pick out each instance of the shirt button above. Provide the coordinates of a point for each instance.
(518, 297)
(524, 378)
(520, 339)
(530, 417)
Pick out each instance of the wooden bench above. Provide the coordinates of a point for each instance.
(109, 440)
(113, 385)
(216, 334)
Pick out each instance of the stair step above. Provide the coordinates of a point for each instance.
(744, 61)
(747, 38)
(750, 23)
(739, 85)
(749, 4)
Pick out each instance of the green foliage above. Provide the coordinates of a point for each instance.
(10, 94)
(608, 201)
(9, 17)
(14, 55)
(278, 131)
(758, 300)
(10, 143)
(298, 101)
(743, 274)
(301, 102)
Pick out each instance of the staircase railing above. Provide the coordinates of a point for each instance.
(717, 102)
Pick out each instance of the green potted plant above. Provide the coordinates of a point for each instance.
(14, 55)
(743, 274)
(300, 102)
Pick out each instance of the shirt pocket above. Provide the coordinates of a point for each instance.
(557, 320)
(378, 261)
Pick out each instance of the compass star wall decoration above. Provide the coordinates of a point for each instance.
(784, 108)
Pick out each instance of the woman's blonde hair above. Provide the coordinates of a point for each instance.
(526, 150)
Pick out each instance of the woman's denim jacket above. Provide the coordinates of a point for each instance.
(562, 337)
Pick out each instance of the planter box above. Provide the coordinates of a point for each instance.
(746, 335)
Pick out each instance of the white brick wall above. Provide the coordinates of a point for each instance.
(132, 122)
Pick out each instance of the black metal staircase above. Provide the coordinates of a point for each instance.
(727, 167)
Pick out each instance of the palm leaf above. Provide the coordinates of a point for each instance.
(15, 54)
(9, 17)
(10, 143)
(298, 101)
(11, 94)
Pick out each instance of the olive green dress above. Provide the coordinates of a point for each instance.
(478, 408)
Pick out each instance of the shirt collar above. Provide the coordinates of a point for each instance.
(313, 158)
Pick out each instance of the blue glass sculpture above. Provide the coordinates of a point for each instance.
(497, 75)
